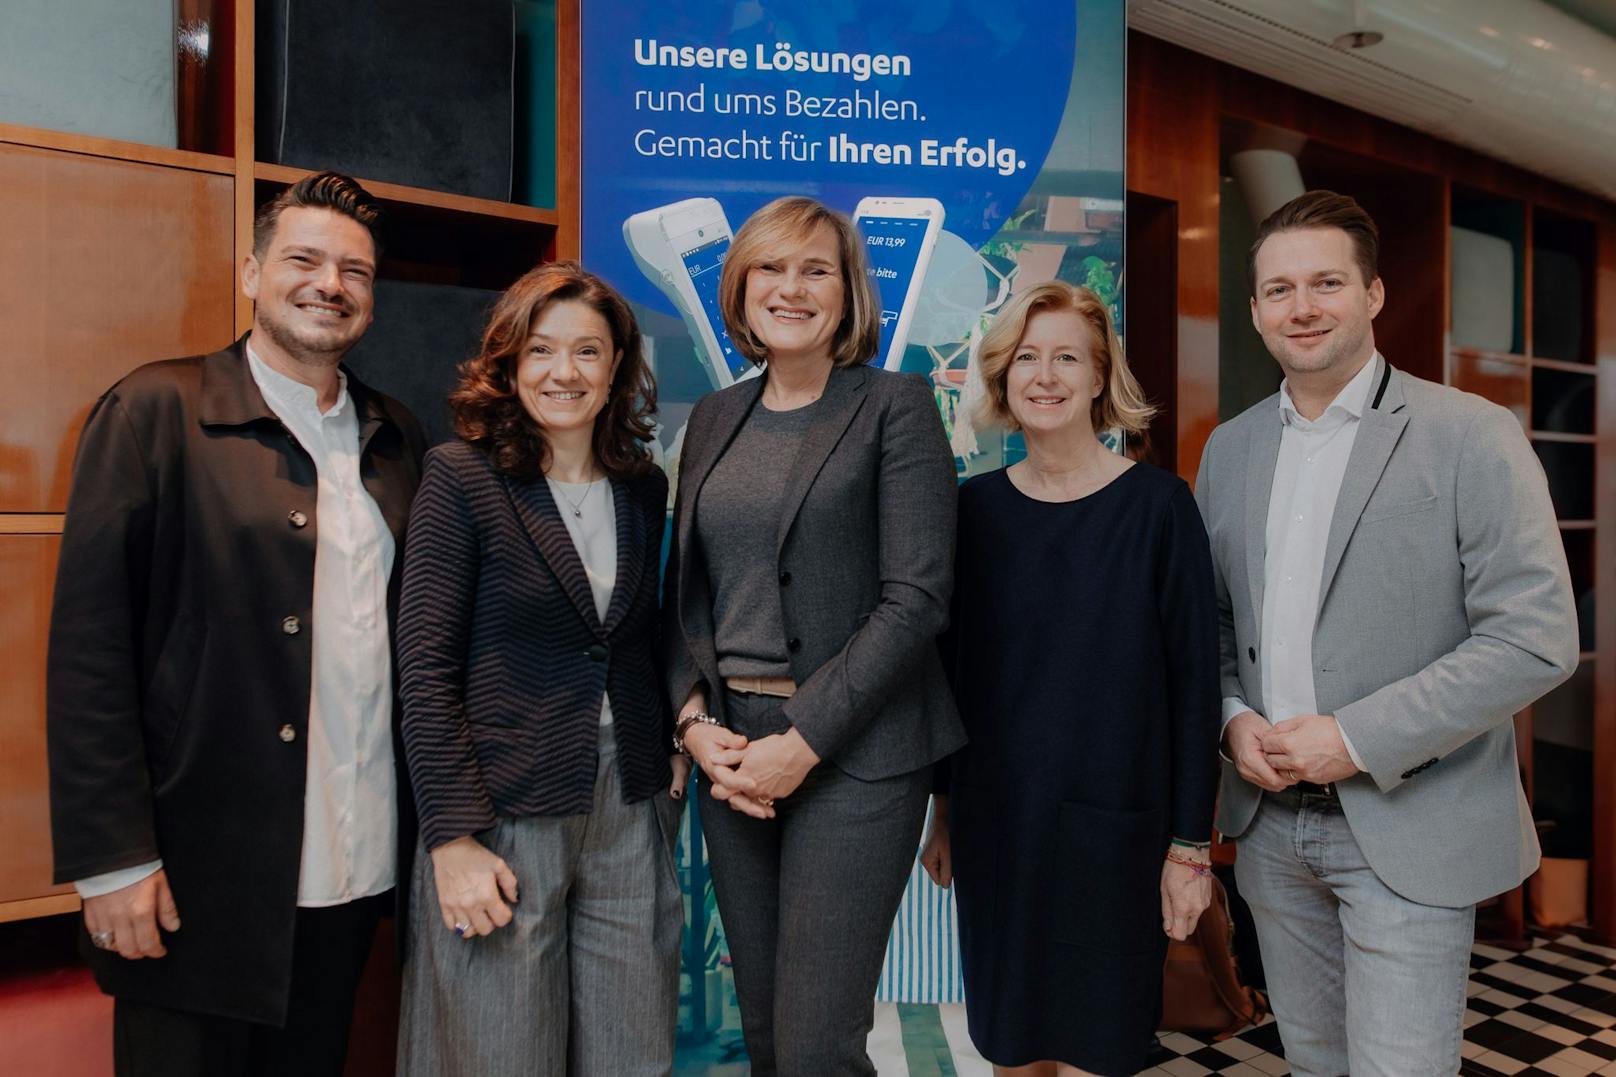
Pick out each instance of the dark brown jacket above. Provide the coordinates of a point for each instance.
(177, 687)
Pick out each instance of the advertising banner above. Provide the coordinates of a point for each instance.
(978, 146)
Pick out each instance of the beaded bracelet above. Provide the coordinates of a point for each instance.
(683, 727)
(1200, 869)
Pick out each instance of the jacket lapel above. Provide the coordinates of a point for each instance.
(844, 392)
(391, 497)
(729, 410)
(537, 510)
(1378, 433)
(1264, 455)
(630, 554)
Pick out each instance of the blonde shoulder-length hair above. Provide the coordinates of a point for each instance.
(1121, 402)
(771, 232)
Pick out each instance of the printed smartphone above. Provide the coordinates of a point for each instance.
(681, 248)
(899, 234)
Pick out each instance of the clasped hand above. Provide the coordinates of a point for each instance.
(750, 775)
(1306, 748)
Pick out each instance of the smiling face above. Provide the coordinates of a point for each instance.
(1054, 378)
(564, 370)
(1312, 306)
(313, 285)
(795, 298)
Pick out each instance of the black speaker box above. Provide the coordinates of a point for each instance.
(421, 334)
(417, 92)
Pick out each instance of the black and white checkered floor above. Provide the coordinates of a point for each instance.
(1549, 1010)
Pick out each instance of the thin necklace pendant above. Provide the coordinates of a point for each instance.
(576, 506)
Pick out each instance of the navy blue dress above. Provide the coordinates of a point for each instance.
(1084, 656)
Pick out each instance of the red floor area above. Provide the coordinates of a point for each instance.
(54, 1021)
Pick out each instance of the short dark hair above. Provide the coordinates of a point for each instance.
(322, 190)
(488, 413)
(1321, 209)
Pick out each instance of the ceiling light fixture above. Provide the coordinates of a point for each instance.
(1358, 39)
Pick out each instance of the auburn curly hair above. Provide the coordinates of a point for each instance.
(488, 413)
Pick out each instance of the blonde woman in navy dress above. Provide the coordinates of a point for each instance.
(1084, 657)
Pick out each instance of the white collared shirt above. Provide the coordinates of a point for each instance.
(350, 819)
(1312, 463)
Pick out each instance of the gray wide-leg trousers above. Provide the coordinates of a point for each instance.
(585, 980)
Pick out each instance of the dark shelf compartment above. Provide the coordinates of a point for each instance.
(1562, 401)
(1563, 259)
(1570, 468)
(1503, 218)
(1579, 549)
(1563, 765)
(484, 245)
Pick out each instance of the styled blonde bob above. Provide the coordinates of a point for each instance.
(773, 232)
(1121, 402)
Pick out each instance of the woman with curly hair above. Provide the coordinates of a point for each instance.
(534, 722)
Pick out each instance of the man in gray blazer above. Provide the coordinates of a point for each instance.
(1392, 589)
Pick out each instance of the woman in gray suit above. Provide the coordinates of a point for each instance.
(809, 576)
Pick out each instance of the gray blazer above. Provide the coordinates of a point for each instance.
(1445, 607)
(865, 559)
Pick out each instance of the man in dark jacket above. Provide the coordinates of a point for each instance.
(220, 684)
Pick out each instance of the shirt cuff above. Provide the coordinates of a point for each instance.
(1233, 705)
(1353, 752)
(106, 883)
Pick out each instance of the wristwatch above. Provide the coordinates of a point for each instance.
(683, 727)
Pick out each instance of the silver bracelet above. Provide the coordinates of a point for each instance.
(683, 727)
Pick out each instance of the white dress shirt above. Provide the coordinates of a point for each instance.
(1312, 462)
(590, 514)
(350, 819)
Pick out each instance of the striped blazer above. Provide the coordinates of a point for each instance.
(503, 660)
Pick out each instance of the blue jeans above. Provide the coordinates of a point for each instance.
(1362, 981)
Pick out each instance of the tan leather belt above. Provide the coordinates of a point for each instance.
(783, 687)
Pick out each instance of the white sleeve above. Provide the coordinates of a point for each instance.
(107, 882)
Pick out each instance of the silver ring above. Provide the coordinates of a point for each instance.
(1290, 774)
(461, 929)
(767, 802)
(101, 940)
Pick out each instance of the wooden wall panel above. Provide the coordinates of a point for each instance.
(1173, 156)
(27, 573)
(1178, 104)
(1501, 379)
(105, 265)
(1151, 265)
(1604, 882)
(569, 167)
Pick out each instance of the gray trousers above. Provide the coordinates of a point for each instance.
(1363, 981)
(584, 981)
(807, 901)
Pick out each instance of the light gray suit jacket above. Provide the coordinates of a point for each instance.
(1445, 607)
(865, 560)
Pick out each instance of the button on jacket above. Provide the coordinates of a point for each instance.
(503, 660)
(179, 675)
